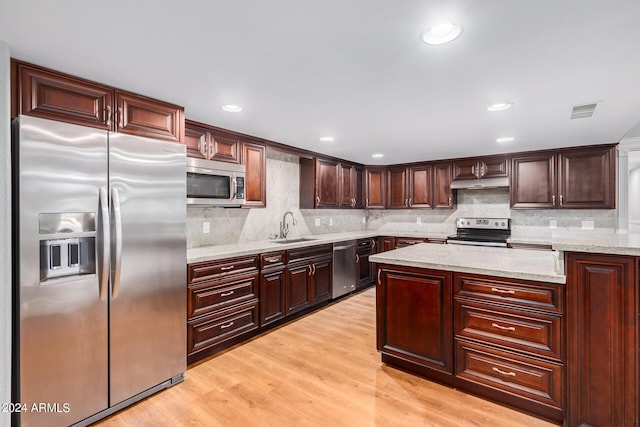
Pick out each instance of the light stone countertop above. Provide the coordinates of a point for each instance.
(502, 262)
(212, 253)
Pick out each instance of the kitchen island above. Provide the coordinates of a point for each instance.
(502, 324)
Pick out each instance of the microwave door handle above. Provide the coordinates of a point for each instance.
(234, 188)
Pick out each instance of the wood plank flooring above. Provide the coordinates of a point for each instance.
(321, 370)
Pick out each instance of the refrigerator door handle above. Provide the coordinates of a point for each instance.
(116, 260)
(104, 244)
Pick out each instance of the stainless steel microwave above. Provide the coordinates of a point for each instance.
(214, 183)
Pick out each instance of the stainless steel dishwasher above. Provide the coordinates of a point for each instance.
(344, 268)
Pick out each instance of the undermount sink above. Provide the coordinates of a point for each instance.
(299, 239)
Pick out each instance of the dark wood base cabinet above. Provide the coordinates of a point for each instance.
(602, 308)
(498, 338)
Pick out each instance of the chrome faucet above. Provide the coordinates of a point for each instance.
(284, 228)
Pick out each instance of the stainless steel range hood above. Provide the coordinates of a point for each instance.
(480, 184)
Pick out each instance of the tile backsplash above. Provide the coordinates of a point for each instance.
(242, 225)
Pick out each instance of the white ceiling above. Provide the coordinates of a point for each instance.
(357, 70)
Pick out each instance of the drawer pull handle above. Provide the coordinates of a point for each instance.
(504, 328)
(231, 267)
(509, 374)
(230, 324)
(503, 291)
(226, 294)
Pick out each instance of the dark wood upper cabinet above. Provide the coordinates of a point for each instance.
(533, 181)
(327, 185)
(587, 178)
(481, 167)
(397, 192)
(602, 335)
(375, 188)
(421, 186)
(580, 178)
(197, 141)
(224, 148)
(443, 196)
(254, 158)
(138, 115)
(57, 96)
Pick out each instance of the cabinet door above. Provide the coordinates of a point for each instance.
(494, 167)
(297, 294)
(357, 186)
(414, 314)
(386, 244)
(321, 280)
(254, 158)
(466, 169)
(364, 269)
(533, 181)
(346, 187)
(587, 178)
(375, 188)
(138, 115)
(272, 301)
(195, 138)
(64, 98)
(421, 186)
(602, 359)
(397, 197)
(224, 148)
(442, 193)
(326, 184)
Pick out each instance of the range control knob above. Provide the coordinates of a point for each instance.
(496, 223)
(503, 224)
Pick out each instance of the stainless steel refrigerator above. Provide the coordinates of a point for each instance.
(99, 288)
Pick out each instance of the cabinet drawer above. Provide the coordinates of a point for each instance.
(222, 326)
(520, 293)
(204, 271)
(309, 252)
(535, 333)
(401, 242)
(271, 260)
(512, 373)
(210, 296)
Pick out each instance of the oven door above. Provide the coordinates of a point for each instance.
(211, 189)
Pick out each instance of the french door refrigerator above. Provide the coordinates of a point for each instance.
(99, 280)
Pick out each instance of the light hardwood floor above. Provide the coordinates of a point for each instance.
(320, 370)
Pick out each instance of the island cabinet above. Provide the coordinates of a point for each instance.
(509, 341)
(375, 188)
(222, 304)
(326, 183)
(577, 178)
(602, 308)
(481, 167)
(414, 323)
(49, 94)
(499, 338)
(364, 269)
(309, 277)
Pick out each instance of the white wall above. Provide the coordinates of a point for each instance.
(5, 232)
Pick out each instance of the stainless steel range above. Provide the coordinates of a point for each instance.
(481, 232)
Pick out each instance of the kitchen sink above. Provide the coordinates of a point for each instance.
(299, 239)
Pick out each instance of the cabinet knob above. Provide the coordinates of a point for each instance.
(450, 204)
(373, 243)
(410, 202)
(317, 200)
(228, 325)
(553, 200)
(379, 271)
(473, 171)
(108, 114)
(366, 202)
(509, 374)
(120, 118)
(561, 200)
(226, 294)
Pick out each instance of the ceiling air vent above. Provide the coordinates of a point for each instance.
(582, 111)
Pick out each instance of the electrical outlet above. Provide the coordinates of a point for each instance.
(317, 222)
(364, 219)
(418, 220)
(206, 227)
(330, 221)
(587, 225)
(553, 223)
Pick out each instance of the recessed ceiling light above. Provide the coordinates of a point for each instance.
(327, 139)
(505, 139)
(441, 33)
(231, 108)
(377, 155)
(500, 106)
